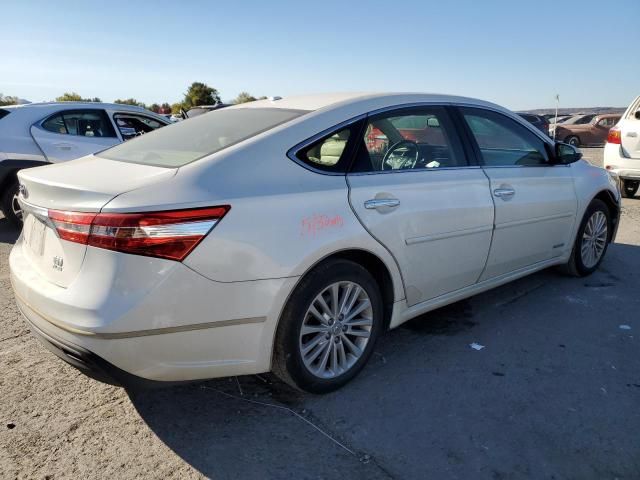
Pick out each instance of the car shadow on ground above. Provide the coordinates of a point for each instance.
(8, 232)
(548, 393)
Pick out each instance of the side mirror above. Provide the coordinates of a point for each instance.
(566, 154)
(638, 114)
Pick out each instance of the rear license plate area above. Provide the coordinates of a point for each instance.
(34, 233)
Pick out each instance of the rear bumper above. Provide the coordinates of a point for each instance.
(624, 168)
(170, 326)
(88, 362)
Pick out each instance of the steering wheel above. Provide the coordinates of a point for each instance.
(400, 160)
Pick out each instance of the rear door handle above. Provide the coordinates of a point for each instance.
(376, 203)
(504, 193)
(63, 146)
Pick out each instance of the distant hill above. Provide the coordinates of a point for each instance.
(563, 111)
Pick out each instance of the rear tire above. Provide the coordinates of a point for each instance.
(629, 188)
(336, 343)
(591, 242)
(10, 206)
(573, 141)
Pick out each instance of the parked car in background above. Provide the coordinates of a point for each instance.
(622, 151)
(579, 119)
(537, 121)
(593, 133)
(40, 133)
(288, 235)
(200, 109)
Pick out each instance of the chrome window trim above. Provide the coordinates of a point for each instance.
(417, 170)
(293, 151)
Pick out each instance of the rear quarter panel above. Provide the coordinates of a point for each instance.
(284, 219)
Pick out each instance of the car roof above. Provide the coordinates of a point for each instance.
(49, 105)
(332, 100)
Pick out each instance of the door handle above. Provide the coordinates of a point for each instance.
(63, 146)
(504, 193)
(376, 203)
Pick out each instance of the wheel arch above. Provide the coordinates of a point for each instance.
(371, 262)
(612, 204)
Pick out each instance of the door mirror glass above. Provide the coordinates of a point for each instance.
(566, 154)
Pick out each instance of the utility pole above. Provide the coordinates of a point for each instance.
(556, 119)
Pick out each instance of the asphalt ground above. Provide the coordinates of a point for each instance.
(554, 394)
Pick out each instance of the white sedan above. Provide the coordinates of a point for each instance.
(288, 234)
(40, 133)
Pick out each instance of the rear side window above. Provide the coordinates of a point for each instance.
(82, 123)
(329, 153)
(608, 122)
(4, 113)
(132, 125)
(184, 142)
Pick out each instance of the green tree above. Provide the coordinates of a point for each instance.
(74, 97)
(200, 94)
(176, 107)
(130, 101)
(165, 108)
(8, 100)
(154, 107)
(244, 97)
(69, 97)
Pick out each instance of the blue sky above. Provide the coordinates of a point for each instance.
(516, 53)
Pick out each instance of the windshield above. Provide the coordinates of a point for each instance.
(184, 142)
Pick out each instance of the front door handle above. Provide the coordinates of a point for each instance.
(504, 193)
(376, 203)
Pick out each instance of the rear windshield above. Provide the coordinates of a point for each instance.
(184, 142)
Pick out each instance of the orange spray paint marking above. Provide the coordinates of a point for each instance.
(315, 224)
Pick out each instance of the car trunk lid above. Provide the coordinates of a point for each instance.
(83, 185)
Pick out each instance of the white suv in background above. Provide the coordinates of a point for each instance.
(37, 134)
(622, 150)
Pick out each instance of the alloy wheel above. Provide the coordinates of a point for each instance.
(336, 329)
(594, 239)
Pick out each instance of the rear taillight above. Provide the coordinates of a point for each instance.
(171, 235)
(615, 136)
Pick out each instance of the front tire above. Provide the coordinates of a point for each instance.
(591, 241)
(629, 188)
(329, 327)
(10, 206)
(573, 141)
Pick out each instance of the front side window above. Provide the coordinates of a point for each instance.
(132, 125)
(82, 123)
(502, 141)
(409, 139)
